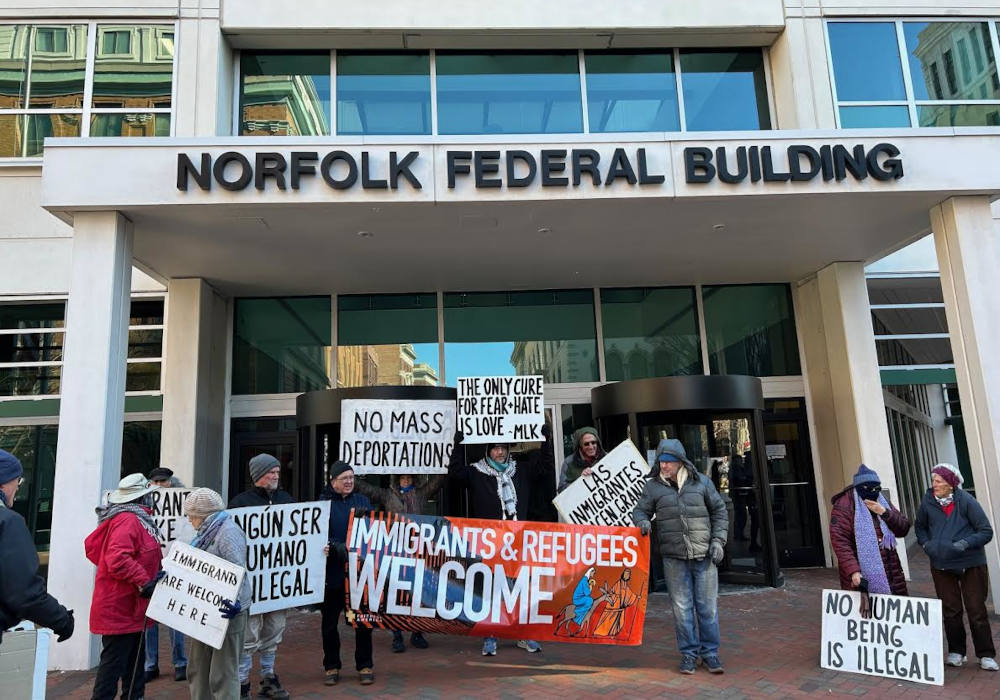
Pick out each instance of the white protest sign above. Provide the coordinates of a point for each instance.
(501, 409)
(397, 436)
(902, 639)
(609, 494)
(168, 514)
(285, 559)
(189, 596)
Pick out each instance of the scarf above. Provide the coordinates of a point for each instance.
(506, 492)
(866, 540)
(209, 530)
(946, 501)
(109, 511)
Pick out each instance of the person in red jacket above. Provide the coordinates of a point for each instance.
(126, 549)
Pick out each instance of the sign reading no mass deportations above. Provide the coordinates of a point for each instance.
(189, 596)
(609, 494)
(285, 560)
(397, 436)
(501, 409)
(498, 578)
(902, 639)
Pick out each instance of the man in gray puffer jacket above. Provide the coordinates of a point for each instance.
(691, 524)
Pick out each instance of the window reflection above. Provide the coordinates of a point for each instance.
(15, 38)
(133, 68)
(948, 61)
(751, 330)
(383, 93)
(58, 67)
(285, 94)
(631, 91)
(724, 90)
(130, 124)
(866, 61)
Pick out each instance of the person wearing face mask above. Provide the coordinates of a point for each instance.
(125, 547)
(264, 631)
(587, 451)
(500, 488)
(864, 531)
(22, 590)
(214, 673)
(953, 530)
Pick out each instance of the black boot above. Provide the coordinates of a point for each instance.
(270, 687)
(417, 640)
(397, 642)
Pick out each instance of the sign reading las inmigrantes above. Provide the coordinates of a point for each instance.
(512, 579)
(397, 436)
(608, 495)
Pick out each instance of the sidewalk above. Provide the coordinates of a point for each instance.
(771, 647)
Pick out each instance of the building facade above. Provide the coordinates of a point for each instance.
(211, 207)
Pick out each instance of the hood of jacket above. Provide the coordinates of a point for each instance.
(674, 448)
(577, 448)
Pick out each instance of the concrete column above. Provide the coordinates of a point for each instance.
(968, 252)
(91, 412)
(204, 72)
(800, 74)
(194, 383)
(843, 379)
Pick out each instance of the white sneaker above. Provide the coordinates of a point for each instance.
(529, 645)
(954, 660)
(988, 664)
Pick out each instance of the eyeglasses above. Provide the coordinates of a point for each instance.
(589, 444)
(20, 480)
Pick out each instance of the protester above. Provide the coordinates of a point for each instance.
(343, 498)
(500, 488)
(22, 590)
(214, 673)
(692, 525)
(953, 529)
(587, 451)
(126, 549)
(264, 631)
(403, 496)
(864, 529)
(161, 477)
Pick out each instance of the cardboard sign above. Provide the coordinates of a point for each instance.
(498, 578)
(501, 409)
(609, 494)
(168, 514)
(901, 640)
(397, 436)
(285, 560)
(189, 596)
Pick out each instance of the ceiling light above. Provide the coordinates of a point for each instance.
(544, 230)
(718, 227)
(365, 234)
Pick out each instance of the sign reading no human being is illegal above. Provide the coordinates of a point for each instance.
(188, 598)
(501, 409)
(901, 639)
(397, 436)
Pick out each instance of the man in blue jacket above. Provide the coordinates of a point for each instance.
(343, 498)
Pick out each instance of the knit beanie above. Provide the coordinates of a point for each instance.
(949, 473)
(202, 502)
(866, 476)
(338, 468)
(261, 465)
(10, 467)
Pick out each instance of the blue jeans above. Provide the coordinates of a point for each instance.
(694, 593)
(153, 647)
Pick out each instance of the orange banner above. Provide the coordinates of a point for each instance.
(491, 578)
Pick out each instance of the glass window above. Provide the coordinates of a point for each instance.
(40, 343)
(45, 315)
(632, 91)
(11, 135)
(58, 67)
(41, 126)
(35, 447)
(930, 45)
(284, 94)
(751, 330)
(874, 116)
(130, 124)
(551, 333)
(383, 93)
(866, 63)
(724, 90)
(508, 93)
(14, 43)
(387, 340)
(140, 446)
(131, 70)
(650, 332)
(959, 115)
(282, 345)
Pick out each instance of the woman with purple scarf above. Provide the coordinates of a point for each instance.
(864, 528)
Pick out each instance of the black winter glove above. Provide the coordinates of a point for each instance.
(644, 528)
(459, 436)
(66, 631)
(339, 551)
(147, 590)
(546, 431)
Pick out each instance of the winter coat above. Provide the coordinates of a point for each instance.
(394, 500)
(257, 496)
(532, 472)
(22, 590)
(846, 548)
(340, 516)
(127, 558)
(230, 543)
(687, 519)
(573, 466)
(937, 532)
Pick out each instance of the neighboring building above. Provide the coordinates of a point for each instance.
(347, 195)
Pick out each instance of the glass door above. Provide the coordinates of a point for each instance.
(254, 436)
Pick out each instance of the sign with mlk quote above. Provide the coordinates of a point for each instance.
(189, 596)
(901, 639)
(608, 495)
(497, 578)
(285, 560)
(501, 409)
(393, 436)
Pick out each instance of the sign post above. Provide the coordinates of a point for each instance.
(397, 436)
(609, 494)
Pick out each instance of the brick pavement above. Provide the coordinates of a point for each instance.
(771, 646)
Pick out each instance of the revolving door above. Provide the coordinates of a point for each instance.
(719, 421)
